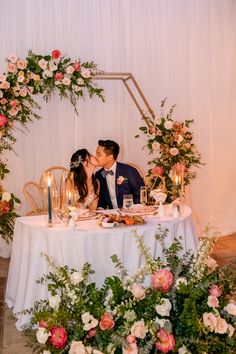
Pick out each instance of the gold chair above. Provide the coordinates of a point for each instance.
(59, 177)
(138, 168)
(154, 182)
(35, 197)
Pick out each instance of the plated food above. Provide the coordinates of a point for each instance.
(120, 220)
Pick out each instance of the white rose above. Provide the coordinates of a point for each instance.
(66, 81)
(179, 281)
(85, 73)
(42, 335)
(168, 124)
(6, 196)
(54, 301)
(160, 321)
(76, 277)
(53, 67)
(130, 315)
(231, 309)
(80, 81)
(183, 350)
(164, 308)
(77, 88)
(77, 347)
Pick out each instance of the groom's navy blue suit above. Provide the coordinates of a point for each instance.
(130, 185)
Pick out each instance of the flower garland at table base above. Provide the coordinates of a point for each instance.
(186, 308)
(37, 74)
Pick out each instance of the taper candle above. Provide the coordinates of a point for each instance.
(49, 202)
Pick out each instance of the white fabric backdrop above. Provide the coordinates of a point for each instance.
(182, 49)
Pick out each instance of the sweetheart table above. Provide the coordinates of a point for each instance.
(88, 242)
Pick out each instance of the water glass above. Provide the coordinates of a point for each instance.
(143, 195)
(127, 201)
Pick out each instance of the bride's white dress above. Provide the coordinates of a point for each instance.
(89, 200)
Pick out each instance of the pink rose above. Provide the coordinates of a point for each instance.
(221, 326)
(132, 349)
(230, 308)
(70, 70)
(162, 279)
(77, 347)
(138, 291)
(152, 130)
(58, 337)
(174, 151)
(131, 339)
(215, 290)
(180, 168)
(176, 125)
(107, 321)
(212, 301)
(42, 63)
(85, 73)
(12, 57)
(13, 103)
(158, 170)
(13, 112)
(58, 76)
(209, 321)
(77, 66)
(167, 341)
(139, 330)
(56, 54)
(92, 332)
(3, 120)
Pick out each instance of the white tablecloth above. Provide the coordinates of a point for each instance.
(89, 242)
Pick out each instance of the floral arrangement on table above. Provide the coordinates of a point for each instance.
(171, 143)
(8, 205)
(38, 74)
(177, 305)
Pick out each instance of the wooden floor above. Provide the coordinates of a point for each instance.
(12, 341)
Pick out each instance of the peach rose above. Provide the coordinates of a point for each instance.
(66, 81)
(3, 78)
(36, 77)
(162, 279)
(209, 321)
(85, 73)
(21, 64)
(42, 63)
(139, 330)
(5, 85)
(23, 92)
(70, 70)
(212, 301)
(13, 112)
(107, 321)
(3, 101)
(158, 170)
(156, 145)
(167, 341)
(221, 326)
(11, 68)
(230, 330)
(215, 290)
(138, 291)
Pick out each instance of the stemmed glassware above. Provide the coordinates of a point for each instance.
(143, 196)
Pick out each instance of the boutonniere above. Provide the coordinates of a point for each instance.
(121, 180)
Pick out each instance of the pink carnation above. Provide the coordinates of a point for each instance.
(162, 279)
(167, 341)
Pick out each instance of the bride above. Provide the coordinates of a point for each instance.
(82, 165)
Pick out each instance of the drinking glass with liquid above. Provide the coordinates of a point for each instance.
(127, 201)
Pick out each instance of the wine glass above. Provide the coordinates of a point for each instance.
(143, 196)
(127, 201)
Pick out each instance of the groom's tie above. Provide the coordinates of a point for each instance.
(107, 172)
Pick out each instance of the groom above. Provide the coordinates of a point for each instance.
(116, 178)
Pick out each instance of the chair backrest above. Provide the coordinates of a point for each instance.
(58, 172)
(138, 168)
(155, 181)
(35, 197)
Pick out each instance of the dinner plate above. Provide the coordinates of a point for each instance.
(87, 215)
(140, 210)
(108, 224)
